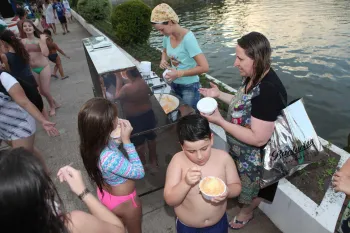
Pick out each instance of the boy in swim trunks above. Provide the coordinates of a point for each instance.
(197, 160)
(53, 55)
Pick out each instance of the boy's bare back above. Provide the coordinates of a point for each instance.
(192, 209)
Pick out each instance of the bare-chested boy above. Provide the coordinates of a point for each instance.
(198, 160)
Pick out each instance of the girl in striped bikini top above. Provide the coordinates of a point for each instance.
(112, 171)
(104, 162)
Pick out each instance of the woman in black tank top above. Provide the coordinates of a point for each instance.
(16, 61)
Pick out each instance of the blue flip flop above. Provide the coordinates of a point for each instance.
(239, 222)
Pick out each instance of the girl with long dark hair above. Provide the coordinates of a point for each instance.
(27, 199)
(38, 51)
(113, 173)
(16, 61)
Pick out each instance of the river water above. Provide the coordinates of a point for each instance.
(311, 49)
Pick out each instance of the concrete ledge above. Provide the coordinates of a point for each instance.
(95, 32)
(89, 27)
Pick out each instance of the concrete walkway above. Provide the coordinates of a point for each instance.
(63, 150)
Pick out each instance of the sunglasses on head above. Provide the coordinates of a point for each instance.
(163, 23)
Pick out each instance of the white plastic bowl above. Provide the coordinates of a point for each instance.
(207, 105)
(164, 74)
(207, 196)
(145, 68)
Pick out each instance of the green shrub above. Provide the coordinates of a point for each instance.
(92, 10)
(73, 3)
(131, 22)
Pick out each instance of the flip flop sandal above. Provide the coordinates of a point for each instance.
(54, 76)
(65, 77)
(239, 222)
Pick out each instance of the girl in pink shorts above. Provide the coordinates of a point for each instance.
(113, 173)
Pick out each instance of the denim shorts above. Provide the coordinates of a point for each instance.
(188, 93)
(219, 227)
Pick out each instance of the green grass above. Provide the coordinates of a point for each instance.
(332, 162)
(304, 172)
(330, 166)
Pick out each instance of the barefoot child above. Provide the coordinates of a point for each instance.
(53, 55)
(198, 160)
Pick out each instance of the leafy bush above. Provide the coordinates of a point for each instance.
(131, 22)
(92, 10)
(73, 3)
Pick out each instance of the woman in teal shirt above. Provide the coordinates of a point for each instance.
(187, 60)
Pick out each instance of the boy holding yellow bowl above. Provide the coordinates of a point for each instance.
(198, 160)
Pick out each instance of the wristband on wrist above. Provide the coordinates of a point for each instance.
(83, 194)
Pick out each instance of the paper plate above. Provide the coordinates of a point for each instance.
(100, 38)
(168, 102)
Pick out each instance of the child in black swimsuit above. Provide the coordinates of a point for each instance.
(54, 57)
